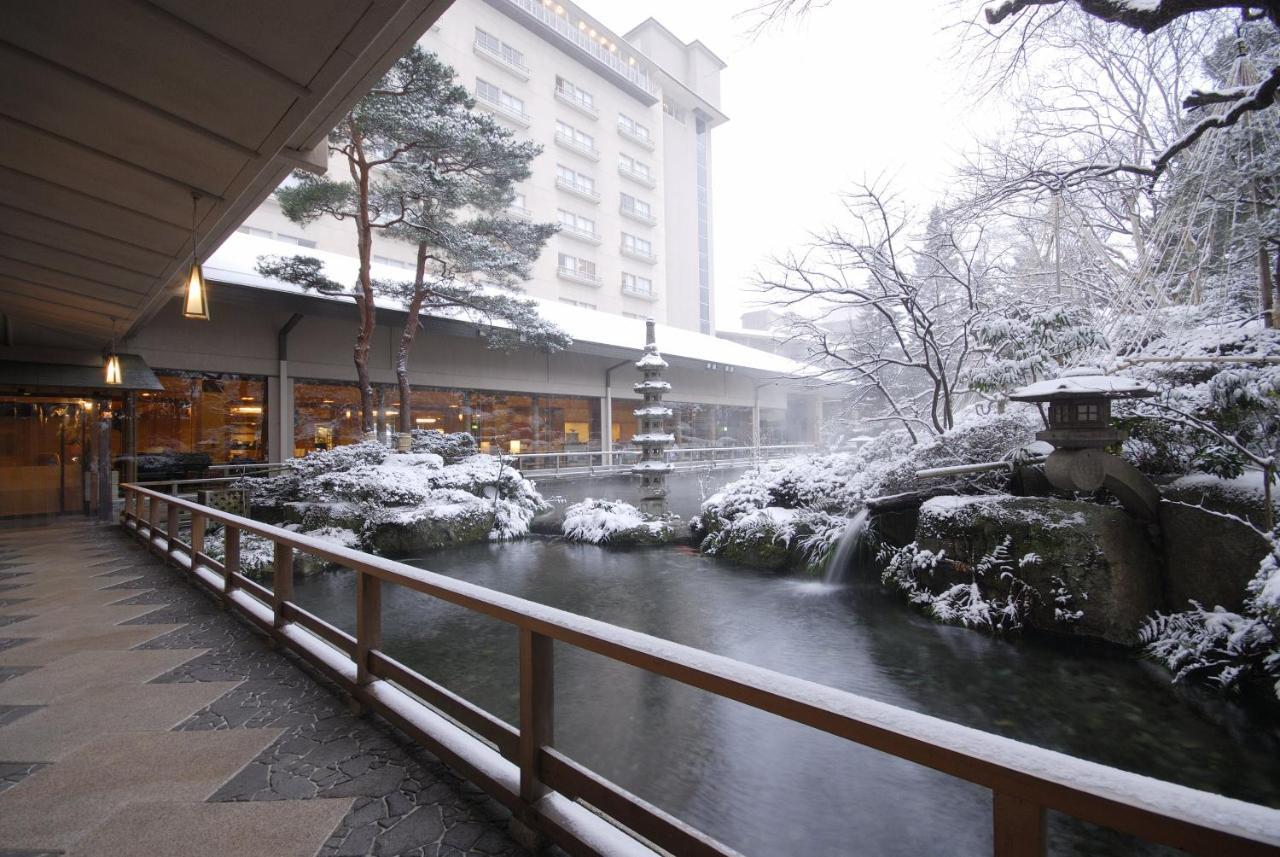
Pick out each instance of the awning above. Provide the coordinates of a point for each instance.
(79, 376)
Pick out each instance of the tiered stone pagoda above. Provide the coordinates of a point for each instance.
(653, 437)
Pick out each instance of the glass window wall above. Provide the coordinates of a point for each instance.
(219, 416)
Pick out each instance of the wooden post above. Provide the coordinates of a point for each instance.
(368, 622)
(1019, 827)
(171, 529)
(230, 559)
(153, 521)
(197, 539)
(282, 581)
(537, 709)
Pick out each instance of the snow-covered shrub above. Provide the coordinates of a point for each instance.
(613, 522)
(368, 491)
(800, 506)
(1220, 647)
(969, 601)
(452, 446)
(1239, 400)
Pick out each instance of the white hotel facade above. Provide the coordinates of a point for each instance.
(625, 124)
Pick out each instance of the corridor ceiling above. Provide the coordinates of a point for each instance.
(112, 112)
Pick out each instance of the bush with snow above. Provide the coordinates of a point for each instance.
(440, 494)
(1223, 648)
(795, 509)
(614, 523)
(971, 601)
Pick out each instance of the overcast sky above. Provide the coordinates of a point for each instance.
(855, 90)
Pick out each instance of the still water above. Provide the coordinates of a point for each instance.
(769, 787)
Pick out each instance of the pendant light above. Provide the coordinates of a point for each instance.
(114, 376)
(195, 301)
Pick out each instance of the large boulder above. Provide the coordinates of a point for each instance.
(1092, 570)
(1212, 543)
(410, 530)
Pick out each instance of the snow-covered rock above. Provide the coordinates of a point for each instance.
(440, 494)
(614, 523)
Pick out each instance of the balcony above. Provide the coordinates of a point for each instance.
(637, 176)
(520, 212)
(582, 235)
(637, 254)
(582, 278)
(578, 190)
(637, 292)
(508, 64)
(514, 115)
(637, 215)
(577, 147)
(639, 139)
(586, 108)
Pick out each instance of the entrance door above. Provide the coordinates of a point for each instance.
(43, 449)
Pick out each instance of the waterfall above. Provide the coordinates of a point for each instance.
(849, 549)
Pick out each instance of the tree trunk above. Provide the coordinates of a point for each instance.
(411, 324)
(368, 311)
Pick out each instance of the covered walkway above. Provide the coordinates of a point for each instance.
(138, 718)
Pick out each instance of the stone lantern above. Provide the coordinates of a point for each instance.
(653, 437)
(1079, 428)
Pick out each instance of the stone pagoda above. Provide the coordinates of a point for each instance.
(653, 437)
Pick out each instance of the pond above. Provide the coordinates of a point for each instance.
(763, 785)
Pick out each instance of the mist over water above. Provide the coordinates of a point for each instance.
(769, 787)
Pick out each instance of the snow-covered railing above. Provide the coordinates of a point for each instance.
(580, 809)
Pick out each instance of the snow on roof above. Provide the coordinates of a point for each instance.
(1111, 386)
(236, 260)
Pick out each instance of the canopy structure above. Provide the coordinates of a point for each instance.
(112, 115)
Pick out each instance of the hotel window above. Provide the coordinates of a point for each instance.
(222, 416)
(576, 93)
(497, 47)
(630, 164)
(637, 245)
(676, 113)
(572, 302)
(637, 285)
(255, 231)
(574, 265)
(494, 94)
(325, 415)
(580, 181)
(293, 239)
(639, 206)
(518, 201)
(637, 315)
(568, 132)
(632, 127)
(576, 222)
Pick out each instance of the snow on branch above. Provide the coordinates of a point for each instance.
(1146, 16)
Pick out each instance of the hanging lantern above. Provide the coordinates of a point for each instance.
(195, 301)
(114, 375)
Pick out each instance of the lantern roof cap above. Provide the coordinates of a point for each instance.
(1083, 383)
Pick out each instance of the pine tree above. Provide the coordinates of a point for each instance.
(427, 168)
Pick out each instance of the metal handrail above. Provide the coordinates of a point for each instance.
(540, 785)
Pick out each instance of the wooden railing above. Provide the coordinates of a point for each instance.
(588, 814)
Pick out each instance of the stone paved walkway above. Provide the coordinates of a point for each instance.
(138, 718)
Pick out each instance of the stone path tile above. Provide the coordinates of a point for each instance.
(280, 829)
(55, 806)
